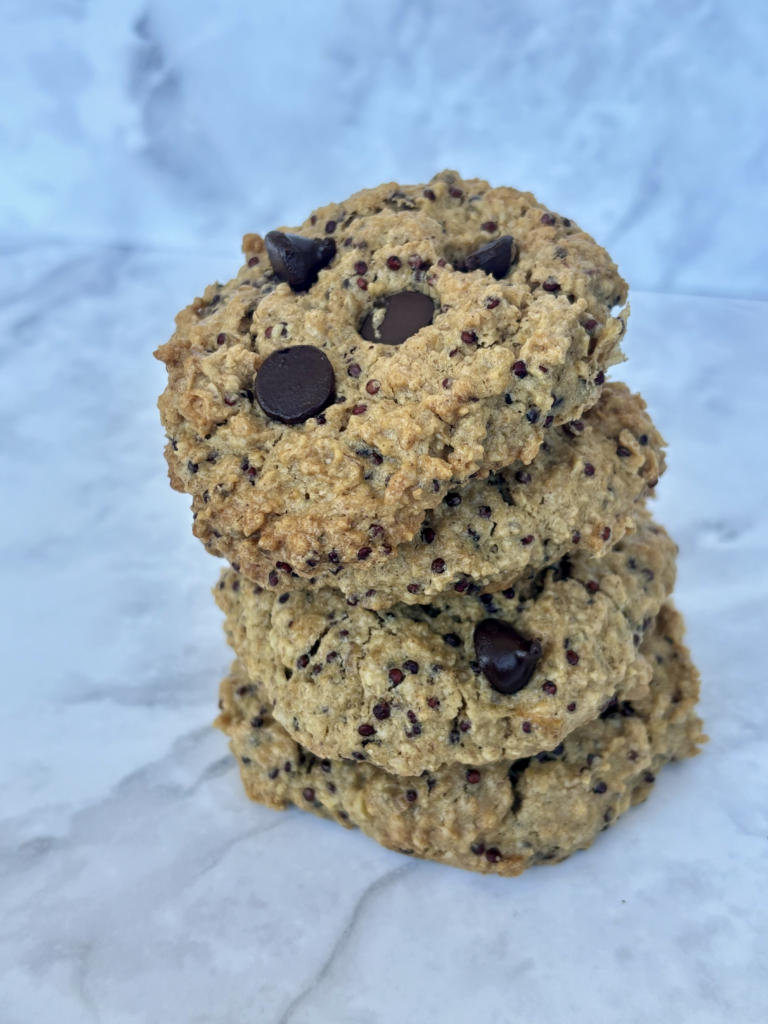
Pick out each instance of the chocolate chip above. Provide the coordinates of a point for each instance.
(589, 469)
(295, 383)
(363, 553)
(522, 476)
(361, 268)
(406, 313)
(549, 421)
(477, 848)
(411, 795)
(452, 499)
(509, 593)
(298, 260)
(429, 194)
(354, 370)
(365, 729)
(473, 777)
(438, 566)
(452, 639)
(600, 378)
(494, 258)
(506, 658)
(308, 794)
(413, 588)
(490, 226)
(469, 337)
(493, 856)
(302, 661)
(547, 218)
(572, 657)
(411, 666)
(601, 787)
(395, 676)
(427, 534)
(457, 193)
(381, 711)
(549, 687)
(623, 452)
(519, 369)
(532, 415)
(551, 285)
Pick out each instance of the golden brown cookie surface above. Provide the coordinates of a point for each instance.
(403, 688)
(504, 359)
(496, 818)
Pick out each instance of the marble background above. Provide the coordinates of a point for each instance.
(138, 140)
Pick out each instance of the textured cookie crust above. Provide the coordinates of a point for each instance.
(471, 393)
(497, 818)
(580, 489)
(401, 689)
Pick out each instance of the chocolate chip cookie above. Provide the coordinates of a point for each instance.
(579, 490)
(496, 818)
(362, 366)
(463, 679)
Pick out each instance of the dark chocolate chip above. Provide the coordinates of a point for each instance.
(295, 383)
(298, 260)
(494, 258)
(406, 313)
(412, 666)
(452, 639)
(395, 676)
(506, 658)
(381, 711)
(365, 729)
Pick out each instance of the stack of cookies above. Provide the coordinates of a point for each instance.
(448, 601)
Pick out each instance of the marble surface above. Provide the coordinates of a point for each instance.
(185, 123)
(137, 883)
(138, 140)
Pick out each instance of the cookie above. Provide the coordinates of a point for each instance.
(495, 818)
(580, 489)
(363, 365)
(463, 679)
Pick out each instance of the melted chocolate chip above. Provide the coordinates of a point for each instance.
(494, 258)
(506, 658)
(298, 260)
(406, 313)
(294, 384)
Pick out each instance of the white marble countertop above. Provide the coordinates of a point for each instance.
(137, 883)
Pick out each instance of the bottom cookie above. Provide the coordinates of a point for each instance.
(498, 818)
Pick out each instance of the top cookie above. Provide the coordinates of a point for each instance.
(391, 346)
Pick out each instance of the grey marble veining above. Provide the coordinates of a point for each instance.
(184, 124)
(138, 885)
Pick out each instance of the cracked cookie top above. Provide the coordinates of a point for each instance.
(496, 818)
(579, 491)
(364, 364)
(463, 679)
